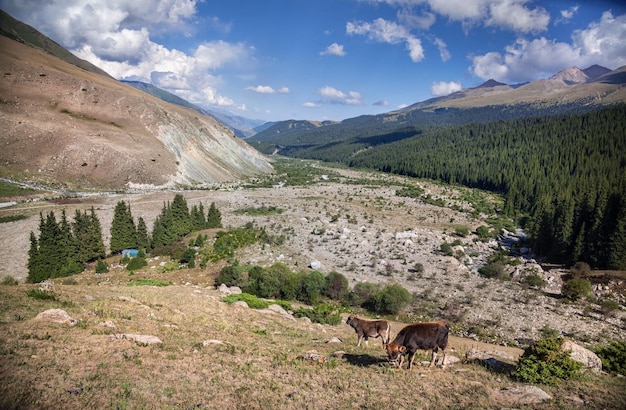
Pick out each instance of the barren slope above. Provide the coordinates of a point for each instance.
(61, 124)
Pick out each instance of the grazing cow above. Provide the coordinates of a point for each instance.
(425, 336)
(370, 328)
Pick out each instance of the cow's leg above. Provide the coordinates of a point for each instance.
(366, 341)
(359, 341)
(443, 362)
(401, 361)
(432, 360)
(411, 358)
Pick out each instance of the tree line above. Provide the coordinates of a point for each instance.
(63, 248)
(562, 176)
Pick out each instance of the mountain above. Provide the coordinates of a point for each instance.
(570, 91)
(240, 126)
(65, 123)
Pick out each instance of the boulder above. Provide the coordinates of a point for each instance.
(521, 395)
(57, 316)
(589, 359)
(315, 265)
(143, 340)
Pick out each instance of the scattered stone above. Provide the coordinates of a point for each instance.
(241, 304)
(212, 342)
(339, 353)
(313, 356)
(107, 323)
(335, 339)
(57, 316)
(315, 265)
(521, 395)
(143, 340)
(235, 290)
(46, 286)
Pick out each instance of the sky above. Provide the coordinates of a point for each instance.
(275, 60)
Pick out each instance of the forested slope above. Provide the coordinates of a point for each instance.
(565, 175)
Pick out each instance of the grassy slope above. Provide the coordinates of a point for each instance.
(256, 367)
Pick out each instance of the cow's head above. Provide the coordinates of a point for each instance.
(350, 319)
(394, 351)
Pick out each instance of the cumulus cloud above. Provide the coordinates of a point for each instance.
(334, 50)
(266, 89)
(600, 43)
(384, 31)
(117, 37)
(442, 88)
(567, 15)
(331, 95)
(516, 15)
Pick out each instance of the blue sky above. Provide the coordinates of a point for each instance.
(329, 59)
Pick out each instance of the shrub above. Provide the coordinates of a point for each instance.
(534, 280)
(608, 307)
(613, 357)
(483, 232)
(189, 258)
(136, 263)
(251, 300)
(575, 289)
(102, 266)
(9, 281)
(446, 249)
(462, 231)
(232, 275)
(312, 287)
(40, 294)
(492, 270)
(361, 293)
(336, 285)
(418, 267)
(391, 299)
(324, 313)
(580, 269)
(545, 362)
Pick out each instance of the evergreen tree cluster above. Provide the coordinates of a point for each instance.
(63, 248)
(565, 174)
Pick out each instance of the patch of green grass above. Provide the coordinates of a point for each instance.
(40, 294)
(7, 190)
(149, 282)
(12, 218)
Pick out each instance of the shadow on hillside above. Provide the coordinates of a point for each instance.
(364, 360)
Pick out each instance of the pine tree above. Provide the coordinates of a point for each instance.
(143, 240)
(36, 273)
(214, 217)
(181, 220)
(96, 244)
(198, 219)
(123, 231)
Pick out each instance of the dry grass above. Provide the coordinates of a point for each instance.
(47, 365)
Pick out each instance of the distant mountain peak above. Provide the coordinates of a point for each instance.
(490, 83)
(572, 75)
(595, 71)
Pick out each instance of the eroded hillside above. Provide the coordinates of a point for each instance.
(63, 125)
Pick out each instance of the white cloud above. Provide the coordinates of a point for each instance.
(310, 104)
(266, 89)
(443, 49)
(334, 50)
(116, 36)
(516, 15)
(567, 15)
(384, 31)
(442, 88)
(331, 95)
(381, 103)
(600, 43)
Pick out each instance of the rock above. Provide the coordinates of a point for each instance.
(315, 265)
(240, 304)
(235, 290)
(589, 359)
(313, 356)
(212, 342)
(224, 289)
(335, 339)
(57, 316)
(108, 323)
(521, 395)
(143, 340)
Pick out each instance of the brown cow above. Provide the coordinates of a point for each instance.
(370, 328)
(424, 336)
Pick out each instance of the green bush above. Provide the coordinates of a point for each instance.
(534, 280)
(613, 357)
(391, 299)
(136, 263)
(362, 293)
(102, 266)
(544, 362)
(251, 300)
(576, 289)
(493, 270)
(483, 232)
(446, 249)
(336, 285)
(324, 313)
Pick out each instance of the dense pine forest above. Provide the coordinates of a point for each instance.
(563, 176)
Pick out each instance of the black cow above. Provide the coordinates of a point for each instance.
(370, 328)
(425, 336)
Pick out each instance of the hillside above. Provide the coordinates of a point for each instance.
(570, 91)
(214, 355)
(67, 126)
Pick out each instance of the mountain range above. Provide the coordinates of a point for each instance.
(571, 90)
(67, 123)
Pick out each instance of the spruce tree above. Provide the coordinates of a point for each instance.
(181, 220)
(123, 231)
(198, 219)
(143, 240)
(36, 272)
(214, 217)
